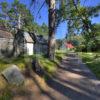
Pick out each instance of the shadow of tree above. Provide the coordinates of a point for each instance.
(80, 86)
(30, 73)
(61, 86)
(56, 85)
(66, 91)
(83, 71)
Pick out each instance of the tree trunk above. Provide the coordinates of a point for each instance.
(19, 21)
(51, 37)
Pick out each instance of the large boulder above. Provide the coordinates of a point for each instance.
(13, 75)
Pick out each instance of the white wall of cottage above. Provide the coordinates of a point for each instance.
(29, 47)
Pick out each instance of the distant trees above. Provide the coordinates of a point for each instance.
(88, 41)
(59, 43)
(4, 15)
(92, 41)
(41, 29)
(79, 21)
(15, 16)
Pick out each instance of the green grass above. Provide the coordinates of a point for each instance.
(59, 55)
(93, 62)
(6, 95)
(47, 65)
(51, 66)
(19, 61)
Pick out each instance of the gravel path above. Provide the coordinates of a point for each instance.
(73, 81)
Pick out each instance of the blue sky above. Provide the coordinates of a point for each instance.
(42, 17)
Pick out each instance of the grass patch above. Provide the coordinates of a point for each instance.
(93, 62)
(59, 55)
(19, 61)
(48, 65)
(6, 95)
(51, 66)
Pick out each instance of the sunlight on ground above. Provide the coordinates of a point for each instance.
(73, 75)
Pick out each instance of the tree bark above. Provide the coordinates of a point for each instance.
(51, 37)
(19, 21)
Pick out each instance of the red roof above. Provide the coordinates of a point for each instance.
(69, 45)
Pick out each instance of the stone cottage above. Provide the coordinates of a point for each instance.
(6, 43)
(40, 47)
(21, 43)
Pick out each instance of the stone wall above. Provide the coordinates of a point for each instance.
(6, 46)
(40, 48)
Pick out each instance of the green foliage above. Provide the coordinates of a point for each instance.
(10, 15)
(17, 10)
(4, 14)
(88, 41)
(93, 62)
(42, 30)
(59, 43)
(92, 40)
(94, 11)
(79, 21)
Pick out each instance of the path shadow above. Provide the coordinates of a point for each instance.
(61, 86)
(78, 68)
(66, 91)
(57, 85)
(31, 74)
(80, 86)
